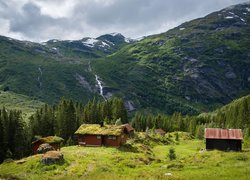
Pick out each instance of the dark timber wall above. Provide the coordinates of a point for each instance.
(223, 144)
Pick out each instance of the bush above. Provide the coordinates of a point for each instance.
(177, 136)
(172, 154)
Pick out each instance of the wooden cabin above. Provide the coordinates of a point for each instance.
(129, 130)
(223, 139)
(160, 132)
(98, 135)
(54, 141)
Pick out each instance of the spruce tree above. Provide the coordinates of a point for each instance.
(2, 154)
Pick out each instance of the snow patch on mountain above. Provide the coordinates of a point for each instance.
(229, 17)
(90, 42)
(109, 42)
(243, 20)
(103, 44)
(115, 34)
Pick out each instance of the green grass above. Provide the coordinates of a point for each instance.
(112, 163)
(27, 105)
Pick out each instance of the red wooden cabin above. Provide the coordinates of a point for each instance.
(107, 135)
(224, 139)
(54, 141)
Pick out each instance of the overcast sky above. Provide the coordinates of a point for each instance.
(41, 20)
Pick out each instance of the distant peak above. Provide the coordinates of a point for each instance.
(116, 34)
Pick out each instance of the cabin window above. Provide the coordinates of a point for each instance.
(98, 137)
(112, 137)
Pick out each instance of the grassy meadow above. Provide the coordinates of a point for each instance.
(148, 160)
(27, 105)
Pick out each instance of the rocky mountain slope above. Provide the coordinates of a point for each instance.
(197, 65)
(53, 69)
(191, 68)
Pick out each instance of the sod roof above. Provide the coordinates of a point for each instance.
(96, 129)
(50, 140)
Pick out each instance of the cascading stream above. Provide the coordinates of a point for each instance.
(100, 86)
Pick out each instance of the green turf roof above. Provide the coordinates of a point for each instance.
(96, 129)
(50, 139)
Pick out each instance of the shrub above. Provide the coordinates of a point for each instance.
(177, 136)
(172, 154)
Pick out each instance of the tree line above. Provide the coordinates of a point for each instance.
(64, 118)
(14, 135)
(234, 115)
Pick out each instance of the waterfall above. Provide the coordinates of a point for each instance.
(100, 85)
(40, 76)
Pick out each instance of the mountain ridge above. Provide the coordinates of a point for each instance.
(194, 67)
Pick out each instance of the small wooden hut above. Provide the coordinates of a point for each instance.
(160, 132)
(54, 141)
(223, 139)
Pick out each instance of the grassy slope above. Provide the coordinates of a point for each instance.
(184, 70)
(19, 70)
(228, 107)
(111, 163)
(24, 103)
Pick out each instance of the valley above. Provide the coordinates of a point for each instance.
(195, 67)
(152, 99)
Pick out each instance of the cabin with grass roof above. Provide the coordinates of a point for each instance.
(107, 135)
(54, 141)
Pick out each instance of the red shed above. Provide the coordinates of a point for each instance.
(97, 135)
(54, 141)
(223, 139)
(129, 130)
(160, 131)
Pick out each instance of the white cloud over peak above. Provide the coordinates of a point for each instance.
(40, 20)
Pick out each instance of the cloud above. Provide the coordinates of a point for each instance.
(40, 20)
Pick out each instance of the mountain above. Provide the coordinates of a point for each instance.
(195, 67)
(89, 47)
(53, 69)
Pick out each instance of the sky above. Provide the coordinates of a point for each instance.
(41, 20)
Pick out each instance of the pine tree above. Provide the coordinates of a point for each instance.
(106, 111)
(19, 136)
(2, 154)
(119, 111)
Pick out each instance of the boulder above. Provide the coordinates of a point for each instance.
(43, 148)
(52, 157)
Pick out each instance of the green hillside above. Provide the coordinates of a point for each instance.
(191, 68)
(43, 76)
(233, 115)
(24, 103)
(149, 162)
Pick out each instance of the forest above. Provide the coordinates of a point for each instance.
(62, 119)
